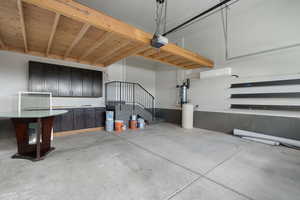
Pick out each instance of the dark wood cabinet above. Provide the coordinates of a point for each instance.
(79, 120)
(89, 117)
(57, 123)
(36, 77)
(67, 121)
(97, 84)
(99, 117)
(87, 83)
(64, 81)
(76, 83)
(51, 79)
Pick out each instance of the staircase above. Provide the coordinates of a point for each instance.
(126, 99)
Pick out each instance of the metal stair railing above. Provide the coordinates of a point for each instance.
(121, 92)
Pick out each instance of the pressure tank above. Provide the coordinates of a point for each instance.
(187, 116)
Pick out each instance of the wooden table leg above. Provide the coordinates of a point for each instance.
(39, 150)
(38, 139)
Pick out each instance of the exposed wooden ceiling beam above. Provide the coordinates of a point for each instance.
(168, 58)
(53, 56)
(142, 52)
(156, 54)
(23, 28)
(80, 35)
(103, 39)
(192, 66)
(104, 56)
(131, 52)
(184, 62)
(102, 21)
(2, 44)
(53, 31)
(96, 18)
(161, 55)
(176, 50)
(163, 61)
(151, 52)
(174, 59)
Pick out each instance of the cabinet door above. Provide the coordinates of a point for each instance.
(99, 117)
(89, 118)
(51, 79)
(76, 82)
(64, 82)
(57, 124)
(97, 84)
(79, 119)
(36, 77)
(87, 83)
(67, 122)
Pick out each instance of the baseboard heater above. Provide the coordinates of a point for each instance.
(267, 139)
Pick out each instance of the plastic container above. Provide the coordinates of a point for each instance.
(119, 125)
(133, 117)
(141, 123)
(109, 125)
(133, 124)
(109, 115)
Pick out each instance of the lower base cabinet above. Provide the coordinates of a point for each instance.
(67, 121)
(80, 118)
(100, 117)
(90, 118)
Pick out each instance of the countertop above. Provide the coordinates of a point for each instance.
(33, 114)
(73, 107)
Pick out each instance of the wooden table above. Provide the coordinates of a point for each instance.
(44, 120)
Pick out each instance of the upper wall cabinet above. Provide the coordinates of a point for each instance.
(64, 81)
(36, 77)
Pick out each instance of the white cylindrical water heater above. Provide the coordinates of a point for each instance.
(187, 116)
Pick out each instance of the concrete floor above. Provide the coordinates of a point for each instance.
(161, 162)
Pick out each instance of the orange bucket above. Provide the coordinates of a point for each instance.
(118, 125)
(133, 124)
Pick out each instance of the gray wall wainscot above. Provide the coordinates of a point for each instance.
(169, 115)
(287, 127)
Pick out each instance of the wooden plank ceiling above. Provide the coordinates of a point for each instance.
(67, 30)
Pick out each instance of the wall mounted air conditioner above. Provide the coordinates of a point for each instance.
(216, 73)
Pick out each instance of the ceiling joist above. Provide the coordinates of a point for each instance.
(75, 31)
(150, 52)
(111, 51)
(167, 57)
(101, 41)
(2, 44)
(80, 35)
(53, 31)
(174, 59)
(163, 55)
(21, 14)
(126, 54)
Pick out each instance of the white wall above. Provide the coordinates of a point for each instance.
(14, 78)
(142, 72)
(116, 71)
(254, 25)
